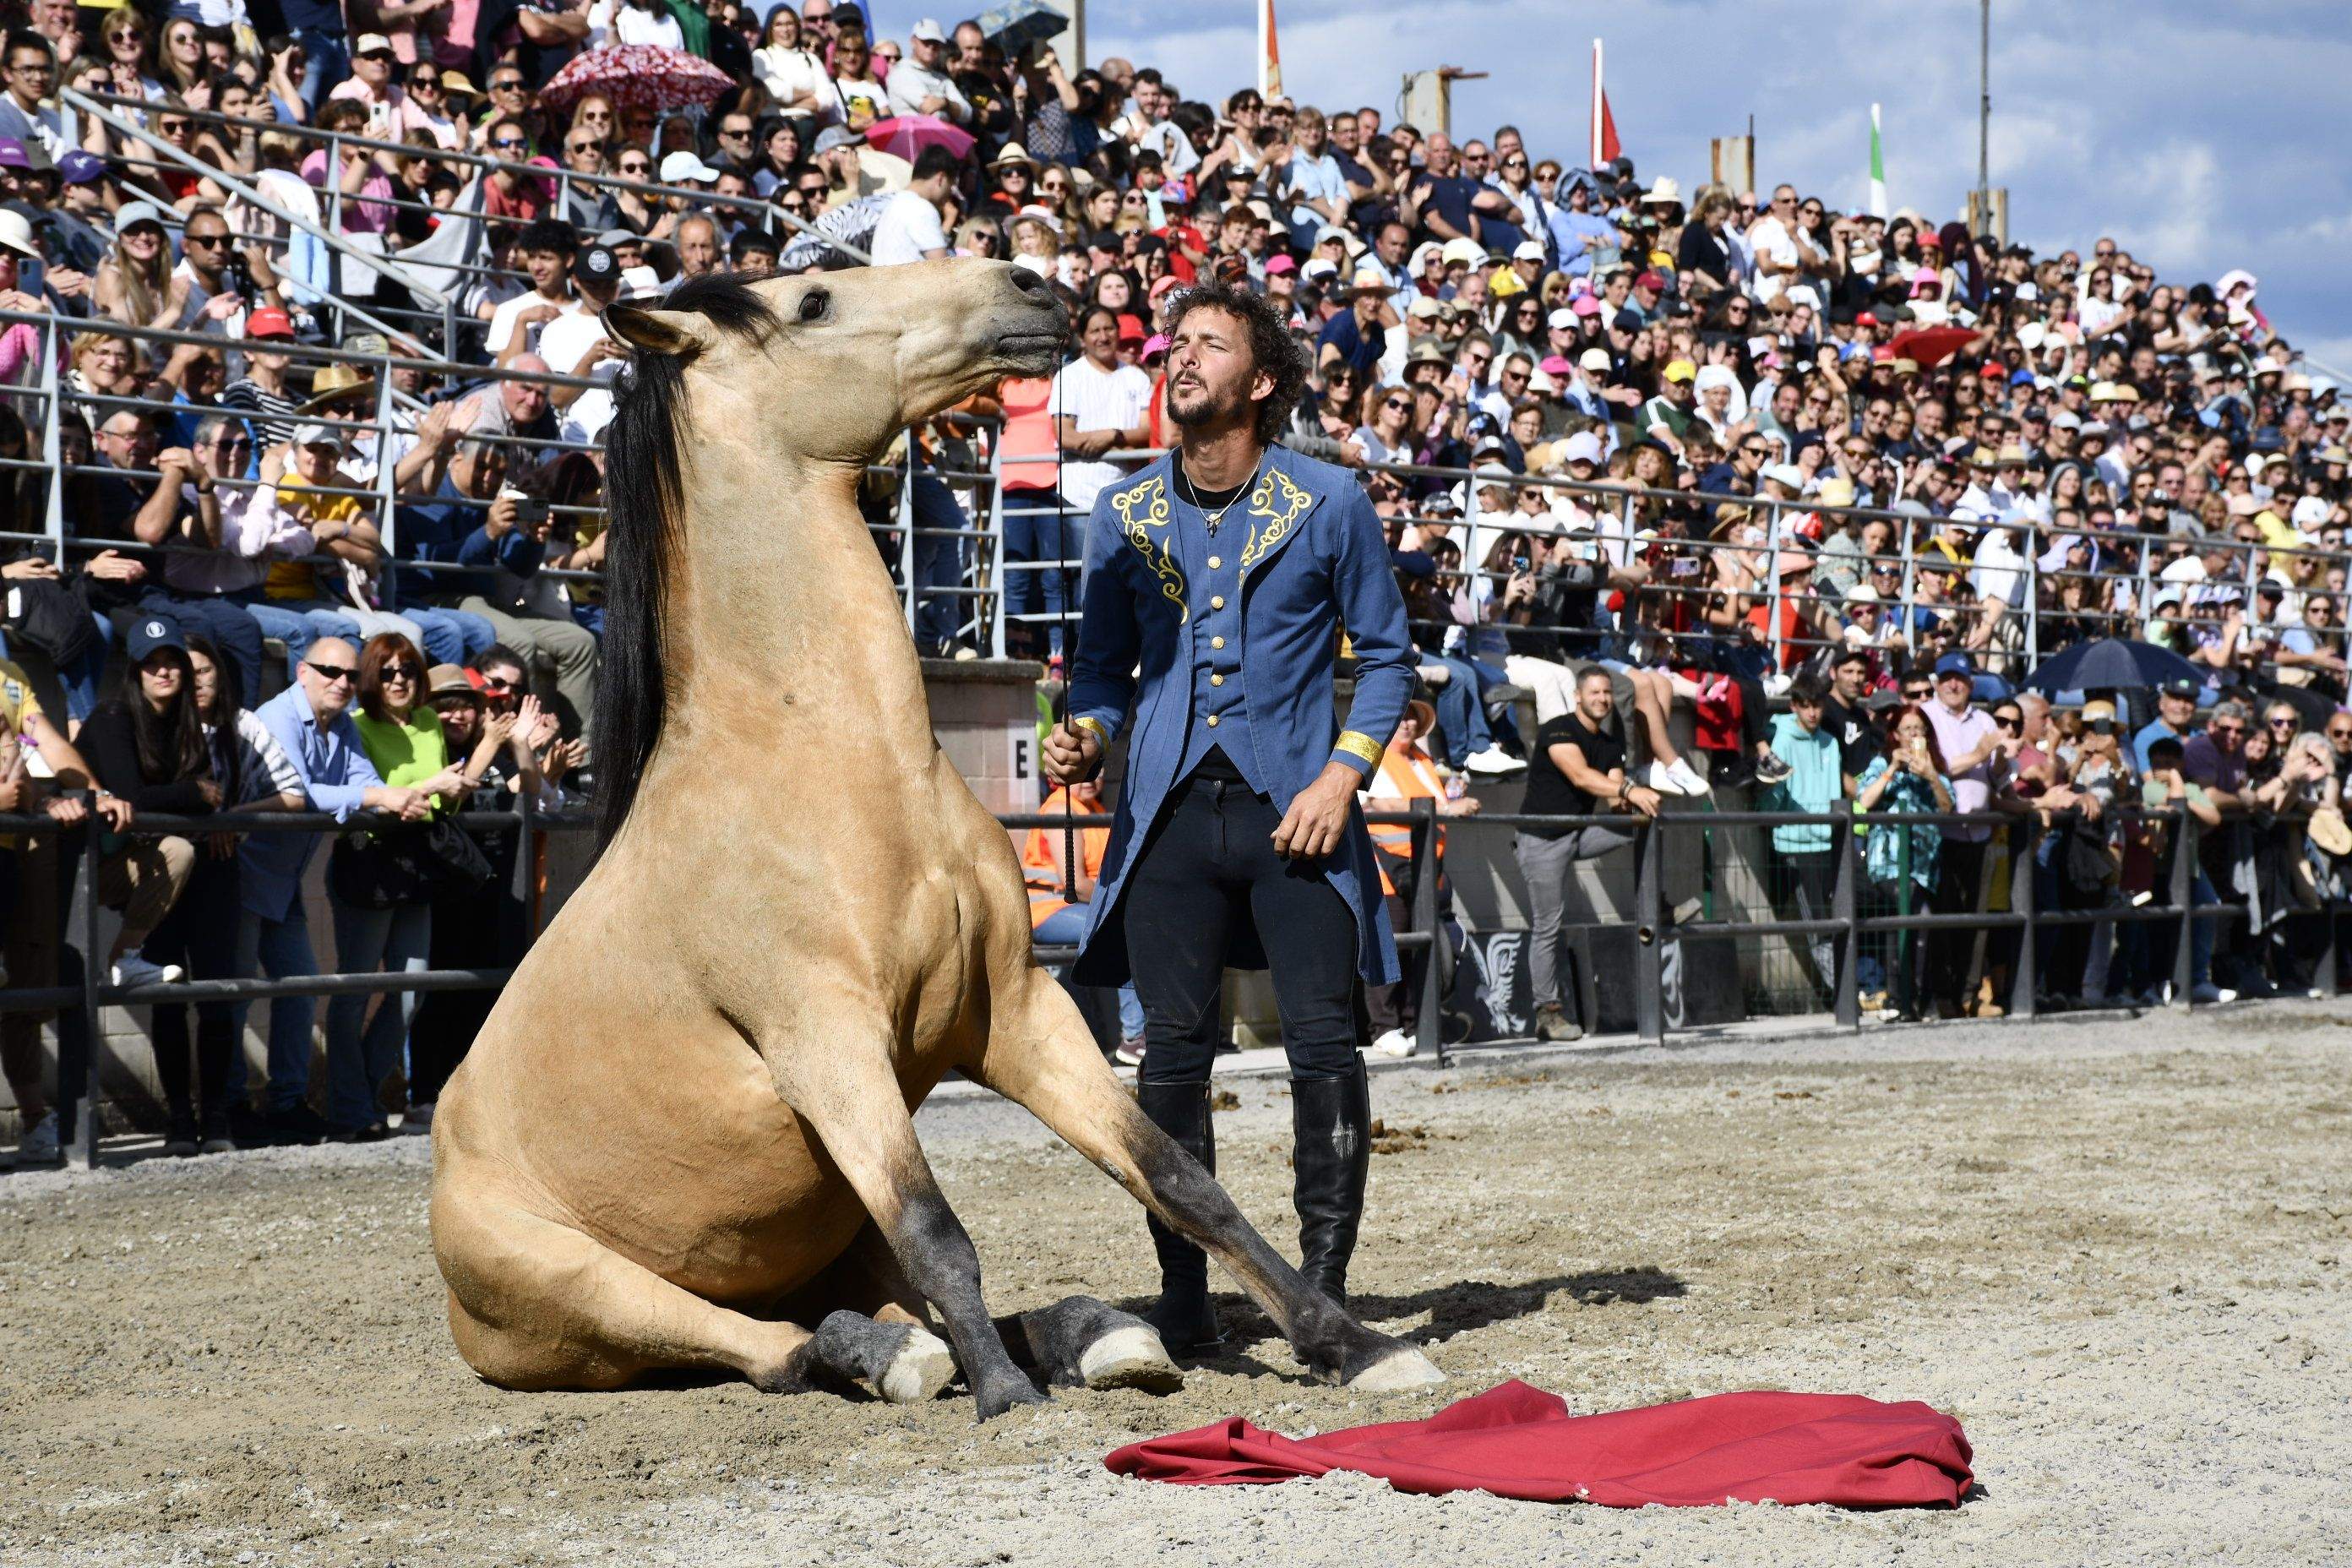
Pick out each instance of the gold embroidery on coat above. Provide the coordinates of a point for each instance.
(1281, 504)
(1151, 497)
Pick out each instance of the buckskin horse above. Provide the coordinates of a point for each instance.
(685, 1137)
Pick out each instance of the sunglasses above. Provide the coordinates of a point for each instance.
(509, 145)
(2008, 720)
(207, 240)
(401, 672)
(507, 84)
(586, 144)
(331, 673)
(2281, 723)
(1398, 403)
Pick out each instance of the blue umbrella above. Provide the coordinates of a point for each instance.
(2111, 664)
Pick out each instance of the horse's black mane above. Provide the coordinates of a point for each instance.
(643, 498)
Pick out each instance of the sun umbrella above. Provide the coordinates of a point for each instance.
(1931, 346)
(908, 134)
(637, 75)
(1017, 24)
(2111, 664)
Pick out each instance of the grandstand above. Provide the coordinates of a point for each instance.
(299, 341)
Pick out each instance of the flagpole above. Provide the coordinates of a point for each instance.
(1593, 161)
(1877, 168)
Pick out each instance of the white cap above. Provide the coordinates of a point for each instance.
(928, 30)
(318, 436)
(1597, 360)
(1584, 447)
(1529, 250)
(681, 166)
(1561, 320)
(16, 234)
(1787, 474)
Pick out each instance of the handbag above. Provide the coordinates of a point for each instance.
(409, 863)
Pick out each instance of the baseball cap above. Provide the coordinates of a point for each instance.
(928, 30)
(1955, 664)
(832, 136)
(318, 436)
(371, 43)
(1424, 307)
(12, 154)
(682, 165)
(1584, 447)
(617, 238)
(1556, 365)
(1130, 329)
(1584, 305)
(596, 264)
(1597, 360)
(268, 322)
(2099, 716)
(1787, 474)
(1649, 281)
(1280, 263)
(132, 214)
(81, 167)
(1529, 250)
(150, 634)
(1681, 370)
(2182, 686)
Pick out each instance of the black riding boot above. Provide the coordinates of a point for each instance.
(1184, 1319)
(1331, 1125)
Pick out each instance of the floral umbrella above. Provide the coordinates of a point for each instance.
(637, 75)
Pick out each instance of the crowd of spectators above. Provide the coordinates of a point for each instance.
(1798, 480)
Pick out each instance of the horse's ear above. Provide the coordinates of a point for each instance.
(678, 335)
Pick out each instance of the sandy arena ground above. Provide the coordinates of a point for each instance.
(2115, 1249)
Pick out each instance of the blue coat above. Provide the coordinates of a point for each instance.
(1313, 559)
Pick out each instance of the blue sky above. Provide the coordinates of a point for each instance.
(2201, 136)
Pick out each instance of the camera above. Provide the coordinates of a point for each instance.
(239, 273)
(1682, 567)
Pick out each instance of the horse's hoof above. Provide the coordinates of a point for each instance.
(1397, 1372)
(1130, 1358)
(920, 1369)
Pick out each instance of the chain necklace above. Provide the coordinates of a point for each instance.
(1213, 506)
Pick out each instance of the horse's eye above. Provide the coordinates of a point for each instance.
(814, 304)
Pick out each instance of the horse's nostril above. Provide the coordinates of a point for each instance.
(1029, 282)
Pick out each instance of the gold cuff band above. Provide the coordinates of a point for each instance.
(1358, 745)
(1101, 731)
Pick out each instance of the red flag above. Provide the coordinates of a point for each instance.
(1604, 146)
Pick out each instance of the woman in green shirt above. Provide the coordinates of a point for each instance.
(401, 737)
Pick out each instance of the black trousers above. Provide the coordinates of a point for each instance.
(1209, 866)
(1959, 889)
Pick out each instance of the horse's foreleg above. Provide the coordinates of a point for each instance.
(1040, 1055)
(849, 1097)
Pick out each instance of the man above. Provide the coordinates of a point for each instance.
(920, 83)
(1357, 336)
(1843, 715)
(25, 115)
(184, 507)
(311, 723)
(1774, 245)
(1976, 754)
(2166, 787)
(543, 250)
(1580, 770)
(1239, 795)
(1668, 416)
(372, 84)
(1579, 234)
(910, 230)
(574, 344)
(2176, 705)
(698, 246)
(211, 271)
(1817, 780)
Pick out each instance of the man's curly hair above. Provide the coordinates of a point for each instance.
(1271, 349)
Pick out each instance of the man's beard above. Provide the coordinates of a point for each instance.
(1205, 407)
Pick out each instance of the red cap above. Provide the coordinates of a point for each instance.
(268, 322)
(1650, 280)
(1130, 329)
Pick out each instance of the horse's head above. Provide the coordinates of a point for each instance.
(832, 365)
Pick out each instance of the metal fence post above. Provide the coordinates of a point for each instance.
(1772, 566)
(1429, 1034)
(2184, 898)
(906, 531)
(2032, 600)
(88, 1124)
(2024, 980)
(1649, 934)
(988, 563)
(1846, 905)
(2323, 972)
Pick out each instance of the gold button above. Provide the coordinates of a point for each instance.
(1213, 720)
(1216, 680)
(1214, 563)
(1217, 602)
(1216, 642)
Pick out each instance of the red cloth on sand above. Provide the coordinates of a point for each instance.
(1518, 1441)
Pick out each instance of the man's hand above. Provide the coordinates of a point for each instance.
(1318, 816)
(1641, 800)
(115, 812)
(1072, 752)
(113, 566)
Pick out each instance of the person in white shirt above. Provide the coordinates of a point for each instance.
(920, 84)
(543, 250)
(1773, 241)
(1097, 406)
(910, 228)
(574, 344)
(793, 77)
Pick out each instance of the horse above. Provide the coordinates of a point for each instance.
(684, 1139)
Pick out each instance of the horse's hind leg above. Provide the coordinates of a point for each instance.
(534, 1304)
(1041, 1057)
